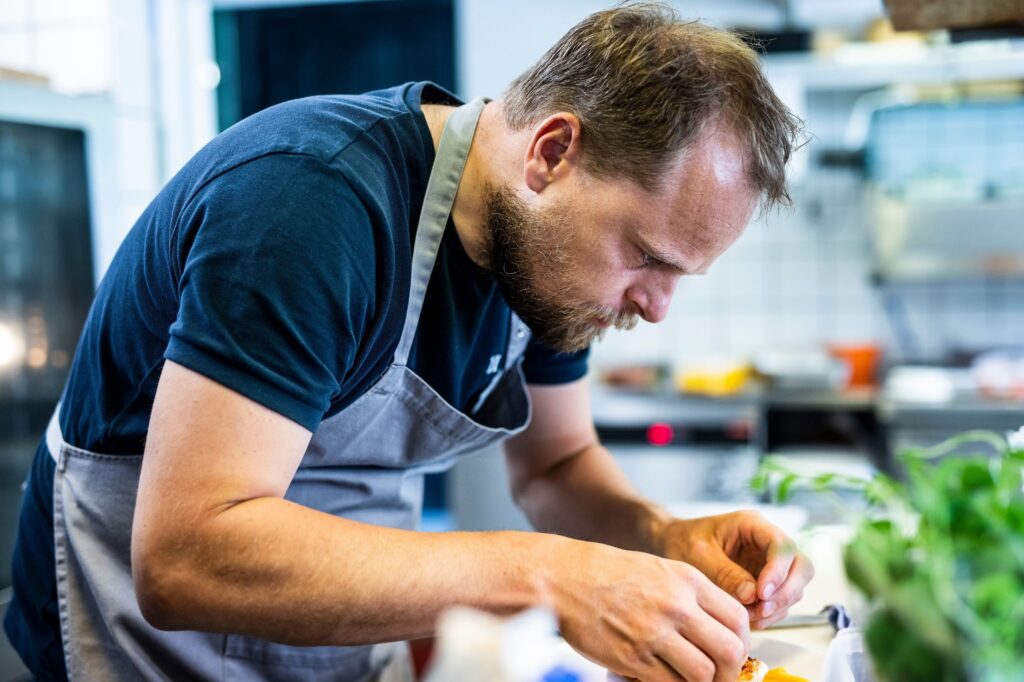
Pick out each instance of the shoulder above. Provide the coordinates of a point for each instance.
(284, 207)
(320, 127)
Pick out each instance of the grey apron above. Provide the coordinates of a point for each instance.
(365, 463)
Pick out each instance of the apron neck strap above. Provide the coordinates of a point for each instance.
(437, 205)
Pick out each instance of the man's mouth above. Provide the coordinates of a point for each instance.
(599, 322)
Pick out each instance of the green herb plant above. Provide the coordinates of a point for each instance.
(939, 557)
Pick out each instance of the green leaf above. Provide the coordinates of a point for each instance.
(786, 486)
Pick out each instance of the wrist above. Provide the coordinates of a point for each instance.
(521, 571)
(655, 525)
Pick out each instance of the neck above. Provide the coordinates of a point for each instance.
(469, 212)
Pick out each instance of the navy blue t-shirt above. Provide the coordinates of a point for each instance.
(277, 263)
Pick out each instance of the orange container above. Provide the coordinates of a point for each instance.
(862, 359)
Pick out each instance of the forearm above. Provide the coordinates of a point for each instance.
(587, 496)
(273, 569)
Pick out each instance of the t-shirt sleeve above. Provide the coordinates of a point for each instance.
(275, 266)
(543, 365)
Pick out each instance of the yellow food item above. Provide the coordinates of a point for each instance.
(780, 675)
(717, 380)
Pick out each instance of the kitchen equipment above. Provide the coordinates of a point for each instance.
(923, 406)
(999, 374)
(861, 360)
(676, 448)
(801, 369)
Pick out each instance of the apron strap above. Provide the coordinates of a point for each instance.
(437, 205)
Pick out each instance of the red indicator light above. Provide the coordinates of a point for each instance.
(660, 434)
(739, 430)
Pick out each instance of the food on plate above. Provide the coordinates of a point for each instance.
(753, 671)
(757, 671)
(780, 675)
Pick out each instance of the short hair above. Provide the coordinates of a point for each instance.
(644, 84)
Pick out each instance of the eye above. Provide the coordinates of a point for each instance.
(646, 259)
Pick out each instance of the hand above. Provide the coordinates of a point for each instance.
(646, 617)
(747, 557)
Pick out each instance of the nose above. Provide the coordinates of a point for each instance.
(652, 298)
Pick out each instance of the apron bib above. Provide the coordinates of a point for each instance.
(366, 464)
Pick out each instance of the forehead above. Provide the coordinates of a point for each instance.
(702, 205)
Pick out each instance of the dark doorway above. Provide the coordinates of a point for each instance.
(267, 56)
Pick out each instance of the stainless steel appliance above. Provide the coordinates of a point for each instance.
(678, 448)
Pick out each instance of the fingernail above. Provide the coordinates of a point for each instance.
(747, 592)
(767, 609)
(769, 590)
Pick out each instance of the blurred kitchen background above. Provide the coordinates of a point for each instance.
(885, 310)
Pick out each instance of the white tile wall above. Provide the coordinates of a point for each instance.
(78, 58)
(133, 63)
(16, 50)
(68, 12)
(14, 14)
(137, 157)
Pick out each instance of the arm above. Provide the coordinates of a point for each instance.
(216, 547)
(567, 483)
(558, 464)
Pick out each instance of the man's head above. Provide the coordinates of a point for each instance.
(645, 144)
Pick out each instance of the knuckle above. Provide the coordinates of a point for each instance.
(752, 515)
(737, 654)
(739, 613)
(642, 654)
(722, 575)
(703, 670)
(789, 598)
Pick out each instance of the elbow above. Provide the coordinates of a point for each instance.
(519, 487)
(161, 599)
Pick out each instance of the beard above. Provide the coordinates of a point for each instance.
(529, 254)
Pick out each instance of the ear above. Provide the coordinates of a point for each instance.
(553, 151)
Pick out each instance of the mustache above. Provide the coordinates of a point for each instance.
(608, 316)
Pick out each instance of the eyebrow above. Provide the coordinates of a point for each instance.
(668, 260)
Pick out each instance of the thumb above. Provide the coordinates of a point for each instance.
(734, 579)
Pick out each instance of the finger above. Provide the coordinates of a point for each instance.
(688, 661)
(780, 555)
(659, 671)
(723, 611)
(734, 579)
(762, 623)
(721, 645)
(792, 589)
(656, 669)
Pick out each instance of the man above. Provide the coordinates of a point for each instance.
(294, 332)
